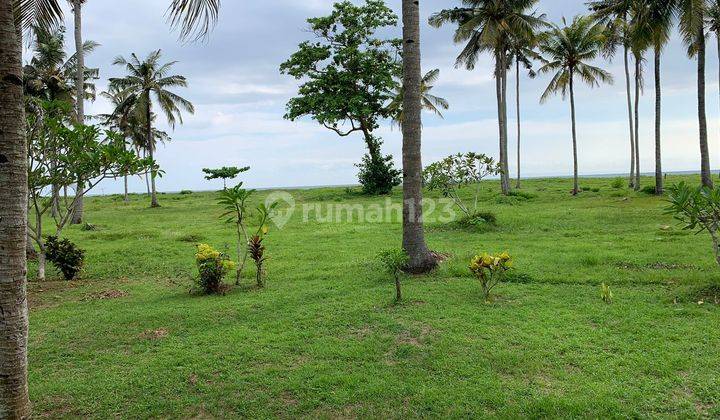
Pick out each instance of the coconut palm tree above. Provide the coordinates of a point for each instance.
(566, 52)
(192, 17)
(430, 102)
(79, 208)
(486, 26)
(653, 25)
(713, 22)
(147, 80)
(420, 259)
(615, 15)
(692, 27)
(639, 42)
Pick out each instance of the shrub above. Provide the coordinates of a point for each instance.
(521, 194)
(480, 221)
(378, 176)
(648, 189)
(606, 294)
(186, 192)
(212, 267)
(88, 227)
(699, 209)
(257, 253)
(65, 256)
(617, 183)
(490, 270)
(394, 261)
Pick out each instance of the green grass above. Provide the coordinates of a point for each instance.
(324, 339)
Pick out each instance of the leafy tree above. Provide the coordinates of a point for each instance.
(191, 17)
(224, 173)
(234, 201)
(148, 81)
(348, 78)
(61, 156)
(488, 26)
(430, 102)
(698, 209)
(566, 51)
(455, 172)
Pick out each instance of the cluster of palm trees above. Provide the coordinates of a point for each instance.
(513, 32)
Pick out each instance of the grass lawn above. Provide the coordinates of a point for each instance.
(324, 339)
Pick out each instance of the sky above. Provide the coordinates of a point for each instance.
(240, 96)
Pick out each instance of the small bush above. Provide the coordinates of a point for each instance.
(606, 294)
(186, 192)
(257, 253)
(394, 261)
(648, 189)
(490, 270)
(87, 227)
(617, 183)
(479, 221)
(212, 266)
(521, 194)
(65, 256)
(378, 176)
(595, 189)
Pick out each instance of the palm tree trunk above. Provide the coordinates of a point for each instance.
(502, 123)
(79, 207)
(420, 258)
(631, 181)
(505, 155)
(705, 174)
(576, 189)
(658, 121)
(151, 147)
(126, 196)
(638, 63)
(14, 399)
(517, 104)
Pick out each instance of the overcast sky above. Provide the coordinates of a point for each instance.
(240, 97)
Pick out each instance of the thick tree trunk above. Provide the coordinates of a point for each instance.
(421, 260)
(14, 400)
(79, 207)
(705, 174)
(628, 92)
(502, 121)
(576, 189)
(517, 113)
(638, 63)
(505, 156)
(151, 151)
(659, 188)
(126, 196)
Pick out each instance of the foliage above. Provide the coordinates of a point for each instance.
(648, 189)
(698, 209)
(378, 176)
(454, 172)
(394, 261)
(186, 192)
(349, 77)
(490, 270)
(234, 202)
(606, 294)
(257, 253)
(212, 267)
(617, 183)
(224, 173)
(430, 102)
(65, 256)
(478, 222)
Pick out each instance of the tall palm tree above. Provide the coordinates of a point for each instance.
(692, 27)
(713, 22)
(147, 80)
(79, 207)
(522, 50)
(639, 42)
(566, 52)
(615, 15)
(420, 258)
(430, 102)
(15, 16)
(653, 26)
(487, 26)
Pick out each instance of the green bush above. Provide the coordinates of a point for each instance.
(648, 189)
(65, 256)
(490, 270)
(617, 183)
(186, 192)
(378, 176)
(521, 194)
(212, 266)
(480, 220)
(394, 262)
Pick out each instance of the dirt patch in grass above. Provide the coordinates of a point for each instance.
(154, 334)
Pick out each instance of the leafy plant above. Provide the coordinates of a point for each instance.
(394, 261)
(378, 176)
(452, 174)
(224, 173)
(648, 189)
(186, 192)
(234, 201)
(490, 270)
(617, 183)
(65, 256)
(698, 209)
(256, 248)
(606, 294)
(212, 267)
